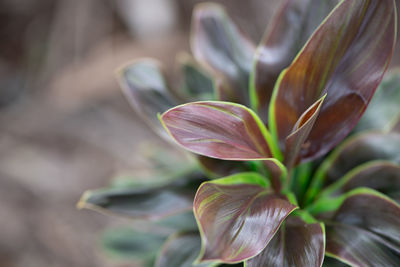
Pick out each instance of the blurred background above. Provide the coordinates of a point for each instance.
(65, 126)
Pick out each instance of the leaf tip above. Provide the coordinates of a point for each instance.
(82, 203)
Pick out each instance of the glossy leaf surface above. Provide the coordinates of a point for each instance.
(295, 244)
(383, 176)
(361, 149)
(181, 250)
(301, 130)
(238, 216)
(346, 58)
(142, 203)
(384, 111)
(365, 231)
(126, 243)
(145, 88)
(293, 24)
(219, 46)
(357, 150)
(219, 130)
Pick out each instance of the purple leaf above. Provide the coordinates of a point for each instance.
(365, 231)
(219, 130)
(145, 88)
(181, 250)
(301, 130)
(237, 217)
(346, 58)
(297, 243)
(221, 48)
(294, 22)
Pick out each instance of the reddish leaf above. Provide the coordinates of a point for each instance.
(220, 46)
(294, 22)
(353, 152)
(383, 176)
(346, 58)
(219, 130)
(237, 217)
(360, 149)
(301, 130)
(365, 231)
(297, 243)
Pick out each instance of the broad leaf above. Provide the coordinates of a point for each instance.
(142, 203)
(197, 85)
(221, 48)
(301, 130)
(219, 130)
(365, 231)
(297, 243)
(383, 176)
(346, 58)
(360, 149)
(384, 111)
(237, 217)
(181, 250)
(126, 243)
(146, 90)
(294, 22)
(353, 152)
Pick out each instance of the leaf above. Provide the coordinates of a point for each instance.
(365, 231)
(142, 203)
(353, 152)
(145, 88)
(237, 217)
(219, 130)
(294, 22)
(216, 168)
(297, 243)
(383, 112)
(126, 243)
(361, 149)
(196, 85)
(346, 58)
(301, 130)
(383, 176)
(180, 250)
(221, 48)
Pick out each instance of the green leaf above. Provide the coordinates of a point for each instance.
(126, 243)
(145, 88)
(295, 141)
(237, 217)
(197, 85)
(297, 243)
(220, 130)
(181, 250)
(293, 24)
(346, 58)
(383, 112)
(222, 49)
(365, 231)
(142, 203)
